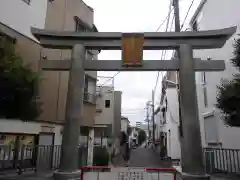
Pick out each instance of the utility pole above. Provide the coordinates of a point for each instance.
(190, 163)
(147, 117)
(176, 15)
(176, 55)
(153, 120)
(148, 120)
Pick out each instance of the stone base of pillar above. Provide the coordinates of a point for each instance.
(75, 175)
(185, 176)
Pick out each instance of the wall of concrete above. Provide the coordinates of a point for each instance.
(111, 115)
(53, 92)
(172, 125)
(21, 16)
(106, 116)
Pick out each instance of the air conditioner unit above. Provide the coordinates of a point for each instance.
(98, 94)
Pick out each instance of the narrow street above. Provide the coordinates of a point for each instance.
(145, 157)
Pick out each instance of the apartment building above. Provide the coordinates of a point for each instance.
(71, 15)
(67, 15)
(17, 27)
(138, 124)
(214, 132)
(108, 116)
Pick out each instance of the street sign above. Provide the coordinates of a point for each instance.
(132, 49)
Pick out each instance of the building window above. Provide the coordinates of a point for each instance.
(86, 84)
(27, 1)
(86, 95)
(79, 27)
(89, 56)
(210, 129)
(164, 120)
(107, 103)
(8, 38)
(204, 83)
(205, 96)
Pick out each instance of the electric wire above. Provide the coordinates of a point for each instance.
(173, 55)
(110, 78)
(187, 14)
(167, 18)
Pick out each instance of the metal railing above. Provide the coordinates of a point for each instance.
(90, 98)
(37, 158)
(219, 160)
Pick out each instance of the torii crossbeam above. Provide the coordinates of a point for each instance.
(132, 46)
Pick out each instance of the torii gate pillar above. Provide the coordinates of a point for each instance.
(191, 146)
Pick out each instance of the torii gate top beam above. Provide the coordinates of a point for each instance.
(152, 40)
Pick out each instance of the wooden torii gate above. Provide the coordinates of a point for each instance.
(132, 46)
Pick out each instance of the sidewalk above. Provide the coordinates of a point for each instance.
(28, 176)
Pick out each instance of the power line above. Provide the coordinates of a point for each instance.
(167, 18)
(164, 52)
(185, 20)
(187, 14)
(173, 54)
(109, 79)
(169, 13)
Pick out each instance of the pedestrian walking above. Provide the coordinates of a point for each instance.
(125, 148)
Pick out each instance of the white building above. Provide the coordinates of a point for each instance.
(134, 135)
(125, 124)
(108, 116)
(20, 15)
(214, 132)
(138, 124)
(166, 118)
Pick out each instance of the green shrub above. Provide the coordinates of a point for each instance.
(101, 156)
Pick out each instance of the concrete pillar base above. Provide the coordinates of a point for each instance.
(185, 176)
(75, 175)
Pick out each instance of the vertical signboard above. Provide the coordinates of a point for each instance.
(132, 49)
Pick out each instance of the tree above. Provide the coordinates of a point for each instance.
(141, 136)
(228, 94)
(18, 90)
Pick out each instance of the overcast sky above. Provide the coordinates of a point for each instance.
(135, 16)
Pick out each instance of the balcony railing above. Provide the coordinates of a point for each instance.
(89, 98)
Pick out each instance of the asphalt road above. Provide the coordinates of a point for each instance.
(145, 157)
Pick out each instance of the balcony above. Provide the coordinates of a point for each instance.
(89, 109)
(89, 98)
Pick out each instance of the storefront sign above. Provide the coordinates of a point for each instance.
(47, 129)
